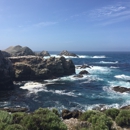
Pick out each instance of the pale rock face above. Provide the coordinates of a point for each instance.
(19, 51)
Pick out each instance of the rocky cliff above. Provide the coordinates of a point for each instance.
(6, 73)
(37, 68)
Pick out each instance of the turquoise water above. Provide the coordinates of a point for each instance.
(108, 69)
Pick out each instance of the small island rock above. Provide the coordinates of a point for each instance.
(121, 89)
(66, 53)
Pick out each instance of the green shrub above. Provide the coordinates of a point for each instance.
(2, 125)
(18, 116)
(98, 120)
(43, 119)
(123, 118)
(86, 115)
(14, 127)
(113, 112)
(5, 117)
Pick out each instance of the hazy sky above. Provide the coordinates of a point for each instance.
(74, 25)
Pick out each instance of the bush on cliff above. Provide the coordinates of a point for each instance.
(113, 113)
(123, 118)
(99, 120)
(38, 120)
(43, 119)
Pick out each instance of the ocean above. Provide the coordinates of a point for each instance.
(108, 69)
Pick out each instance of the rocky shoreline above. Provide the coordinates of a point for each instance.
(22, 64)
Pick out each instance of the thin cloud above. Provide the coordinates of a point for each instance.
(111, 14)
(44, 24)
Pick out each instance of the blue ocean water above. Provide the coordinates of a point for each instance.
(108, 69)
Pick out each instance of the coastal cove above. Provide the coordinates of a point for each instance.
(92, 91)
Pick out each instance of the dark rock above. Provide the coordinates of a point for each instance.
(83, 72)
(66, 114)
(66, 53)
(19, 51)
(78, 76)
(85, 66)
(6, 54)
(15, 109)
(44, 53)
(6, 73)
(37, 68)
(121, 89)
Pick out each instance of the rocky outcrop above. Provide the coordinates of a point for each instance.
(43, 53)
(66, 53)
(66, 114)
(19, 51)
(121, 89)
(6, 73)
(84, 72)
(37, 68)
(5, 54)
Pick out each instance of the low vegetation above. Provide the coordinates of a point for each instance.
(45, 119)
(41, 119)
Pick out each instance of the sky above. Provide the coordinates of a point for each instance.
(73, 25)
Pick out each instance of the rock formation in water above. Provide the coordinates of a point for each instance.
(66, 53)
(37, 68)
(121, 89)
(19, 51)
(43, 53)
(6, 73)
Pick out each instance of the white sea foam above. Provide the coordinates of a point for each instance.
(33, 87)
(113, 67)
(123, 77)
(108, 62)
(98, 57)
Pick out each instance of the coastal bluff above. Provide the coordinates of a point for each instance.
(6, 73)
(38, 68)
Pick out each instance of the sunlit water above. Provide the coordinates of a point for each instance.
(107, 70)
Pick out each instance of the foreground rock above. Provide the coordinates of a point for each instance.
(6, 73)
(121, 89)
(5, 54)
(37, 68)
(19, 51)
(75, 124)
(66, 114)
(66, 53)
(43, 53)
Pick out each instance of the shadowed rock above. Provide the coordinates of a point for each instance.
(6, 73)
(121, 89)
(83, 72)
(66, 114)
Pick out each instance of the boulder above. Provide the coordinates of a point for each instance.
(19, 51)
(37, 68)
(78, 76)
(66, 114)
(83, 72)
(44, 53)
(121, 89)
(66, 53)
(6, 73)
